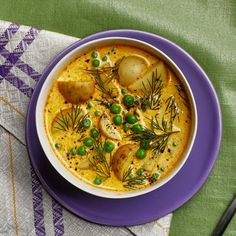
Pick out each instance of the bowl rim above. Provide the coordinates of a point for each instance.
(44, 140)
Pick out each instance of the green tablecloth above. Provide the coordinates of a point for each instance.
(206, 30)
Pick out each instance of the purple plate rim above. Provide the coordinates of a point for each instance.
(138, 35)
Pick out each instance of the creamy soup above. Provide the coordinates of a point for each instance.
(118, 118)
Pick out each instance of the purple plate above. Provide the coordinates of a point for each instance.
(153, 205)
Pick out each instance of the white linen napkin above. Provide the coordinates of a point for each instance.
(25, 207)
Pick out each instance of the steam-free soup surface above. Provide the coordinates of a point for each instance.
(118, 118)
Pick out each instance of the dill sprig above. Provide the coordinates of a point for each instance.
(134, 182)
(158, 142)
(71, 119)
(103, 77)
(152, 93)
(62, 122)
(101, 85)
(155, 124)
(100, 163)
(182, 94)
(127, 173)
(172, 109)
(157, 136)
(110, 72)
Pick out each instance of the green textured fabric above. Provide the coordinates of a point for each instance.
(206, 30)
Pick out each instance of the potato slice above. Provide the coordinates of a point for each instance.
(84, 165)
(130, 68)
(76, 92)
(146, 78)
(122, 159)
(150, 164)
(107, 128)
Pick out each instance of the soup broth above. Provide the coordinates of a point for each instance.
(118, 118)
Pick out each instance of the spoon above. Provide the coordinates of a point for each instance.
(225, 219)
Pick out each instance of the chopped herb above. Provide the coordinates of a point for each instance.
(94, 54)
(162, 169)
(123, 91)
(104, 58)
(57, 145)
(155, 176)
(97, 113)
(140, 172)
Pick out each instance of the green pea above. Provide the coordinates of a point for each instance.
(97, 113)
(117, 119)
(57, 145)
(123, 91)
(88, 142)
(140, 153)
(128, 100)
(94, 55)
(94, 132)
(115, 109)
(137, 128)
(96, 63)
(155, 176)
(73, 151)
(126, 126)
(130, 118)
(131, 175)
(104, 58)
(97, 181)
(89, 105)
(140, 172)
(109, 146)
(145, 144)
(81, 150)
(86, 123)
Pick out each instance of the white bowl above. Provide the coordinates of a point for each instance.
(46, 89)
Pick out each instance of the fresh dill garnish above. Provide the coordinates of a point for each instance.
(131, 181)
(71, 119)
(103, 77)
(99, 161)
(62, 122)
(157, 136)
(102, 86)
(155, 124)
(134, 182)
(110, 72)
(172, 109)
(158, 142)
(152, 93)
(181, 92)
(127, 173)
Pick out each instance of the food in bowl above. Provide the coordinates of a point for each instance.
(119, 118)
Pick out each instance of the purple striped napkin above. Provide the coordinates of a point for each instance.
(25, 207)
